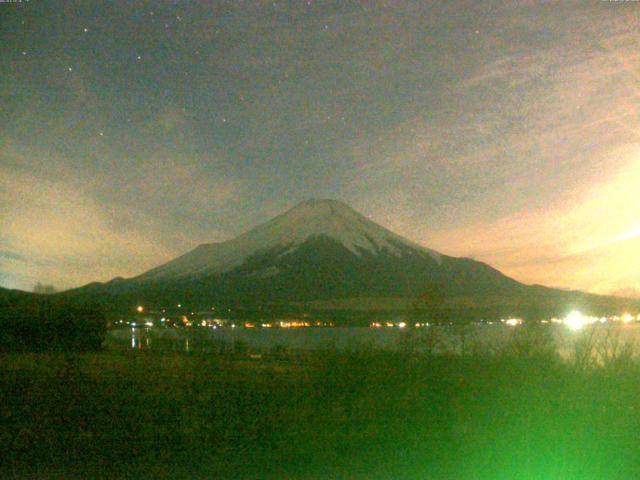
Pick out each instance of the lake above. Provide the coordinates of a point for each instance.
(609, 337)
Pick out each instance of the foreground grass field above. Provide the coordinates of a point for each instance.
(520, 413)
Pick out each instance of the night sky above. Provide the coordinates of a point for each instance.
(133, 131)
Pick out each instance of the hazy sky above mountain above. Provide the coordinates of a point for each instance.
(506, 131)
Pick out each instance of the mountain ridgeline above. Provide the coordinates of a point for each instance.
(323, 255)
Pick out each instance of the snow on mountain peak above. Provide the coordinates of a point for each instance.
(332, 219)
(311, 218)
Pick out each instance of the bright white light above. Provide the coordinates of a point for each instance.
(512, 322)
(626, 318)
(575, 320)
(140, 308)
(149, 324)
(402, 324)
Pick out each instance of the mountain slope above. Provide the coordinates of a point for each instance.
(10, 294)
(313, 218)
(322, 250)
(319, 249)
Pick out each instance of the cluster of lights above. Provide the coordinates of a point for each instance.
(212, 322)
(141, 324)
(576, 320)
(293, 324)
(627, 318)
(512, 322)
(216, 323)
(392, 325)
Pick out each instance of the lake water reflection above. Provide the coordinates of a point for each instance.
(456, 339)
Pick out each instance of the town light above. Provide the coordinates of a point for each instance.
(626, 318)
(575, 320)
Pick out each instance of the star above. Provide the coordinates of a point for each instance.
(101, 134)
(139, 57)
(24, 52)
(85, 29)
(70, 69)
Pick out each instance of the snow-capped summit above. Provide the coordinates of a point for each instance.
(333, 219)
(313, 218)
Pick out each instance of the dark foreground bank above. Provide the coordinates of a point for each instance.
(519, 413)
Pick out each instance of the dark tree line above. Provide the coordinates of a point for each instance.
(37, 323)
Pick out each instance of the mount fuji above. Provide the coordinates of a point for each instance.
(323, 254)
(311, 220)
